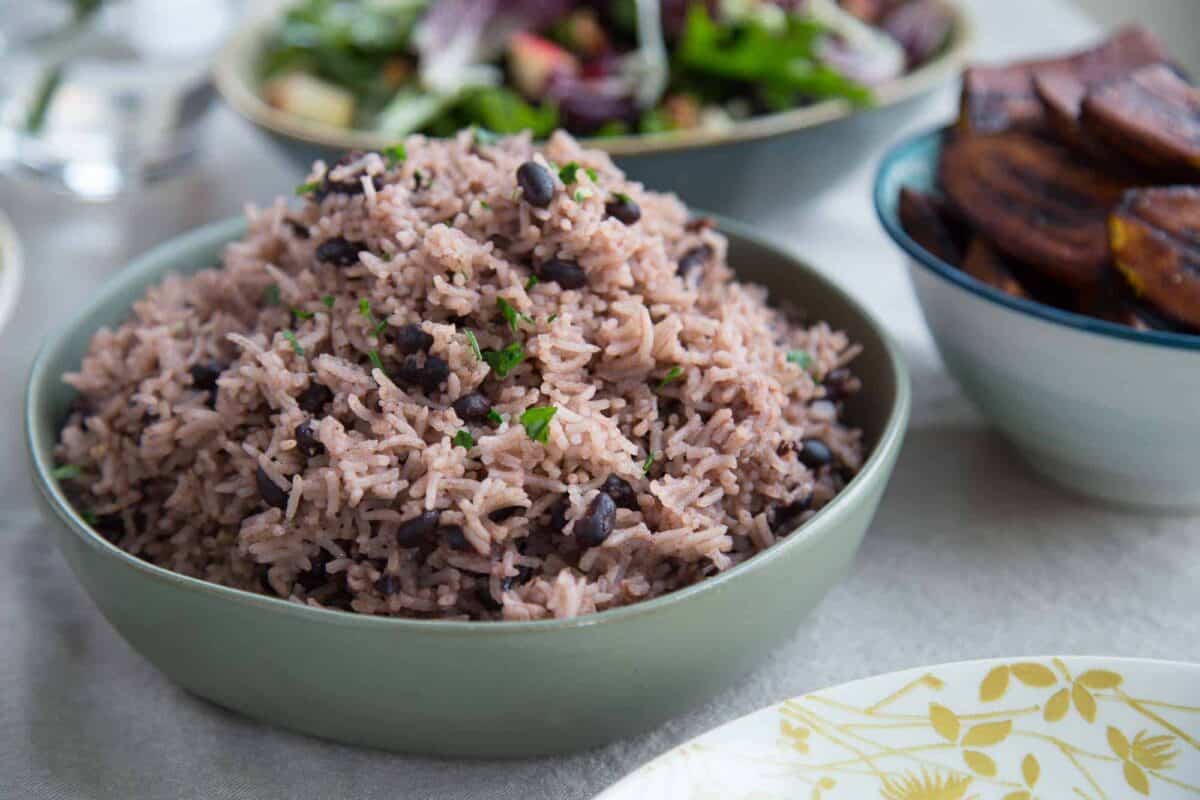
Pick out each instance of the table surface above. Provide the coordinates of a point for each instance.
(970, 556)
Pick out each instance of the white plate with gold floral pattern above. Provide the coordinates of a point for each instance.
(1015, 729)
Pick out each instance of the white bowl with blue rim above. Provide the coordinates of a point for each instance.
(11, 269)
(1100, 408)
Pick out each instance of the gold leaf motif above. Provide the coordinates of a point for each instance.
(1035, 675)
(1136, 778)
(1018, 795)
(796, 735)
(944, 721)
(1100, 679)
(980, 762)
(1118, 743)
(1058, 706)
(1154, 752)
(987, 733)
(827, 783)
(995, 684)
(1085, 704)
(1031, 770)
(926, 787)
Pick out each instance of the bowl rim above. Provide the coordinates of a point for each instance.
(12, 269)
(910, 149)
(151, 266)
(231, 83)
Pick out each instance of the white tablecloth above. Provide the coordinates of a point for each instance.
(969, 557)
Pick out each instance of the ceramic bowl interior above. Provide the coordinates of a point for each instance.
(417, 685)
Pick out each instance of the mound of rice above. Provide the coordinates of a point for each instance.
(286, 423)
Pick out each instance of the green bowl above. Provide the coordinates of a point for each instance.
(470, 688)
(752, 170)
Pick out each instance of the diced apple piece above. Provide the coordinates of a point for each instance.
(532, 60)
(310, 98)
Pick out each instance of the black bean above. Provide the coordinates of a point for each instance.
(339, 251)
(349, 186)
(839, 384)
(454, 537)
(204, 376)
(411, 532)
(110, 526)
(411, 339)
(596, 523)
(707, 568)
(428, 373)
(523, 575)
(270, 492)
(506, 513)
(314, 398)
(567, 274)
(536, 183)
(388, 585)
(621, 492)
(307, 441)
(814, 453)
(316, 575)
(623, 208)
(558, 514)
(783, 518)
(473, 407)
(486, 599)
(263, 573)
(692, 259)
(299, 229)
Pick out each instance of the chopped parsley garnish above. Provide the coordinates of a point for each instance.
(471, 340)
(647, 464)
(328, 301)
(484, 136)
(591, 173)
(582, 194)
(504, 361)
(378, 326)
(306, 188)
(485, 205)
(300, 313)
(570, 173)
(537, 422)
(418, 177)
(66, 472)
(532, 282)
(464, 439)
(494, 416)
(551, 318)
(801, 357)
(291, 337)
(88, 517)
(394, 154)
(513, 316)
(376, 361)
(673, 374)
(621, 197)
(271, 295)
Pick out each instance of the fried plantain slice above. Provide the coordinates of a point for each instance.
(1111, 300)
(1151, 115)
(1062, 86)
(1155, 240)
(985, 264)
(1037, 202)
(929, 222)
(996, 99)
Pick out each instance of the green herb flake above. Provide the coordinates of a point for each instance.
(673, 374)
(271, 295)
(307, 188)
(582, 194)
(88, 517)
(66, 472)
(800, 357)
(532, 282)
(647, 464)
(494, 416)
(376, 361)
(623, 198)
(504, 361)
(551, 318)
(291, 337)
(592, 174)
(570, 173)
(464, 439)
(300, 313)
(537, 422)
(471, 340)
(485, 205)
(396, 154)
(328, 301)
(484, 136)
(513, 316)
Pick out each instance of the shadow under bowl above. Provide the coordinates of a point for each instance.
(1104, 410)
(470, 688)
(751, 170)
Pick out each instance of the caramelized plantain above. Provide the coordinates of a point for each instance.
(1062, 86)
(985, 264)
(1155, 240)
(929, 222)
(1151, 115)
(1111, 300)
(998, 99)
(1034, 200)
